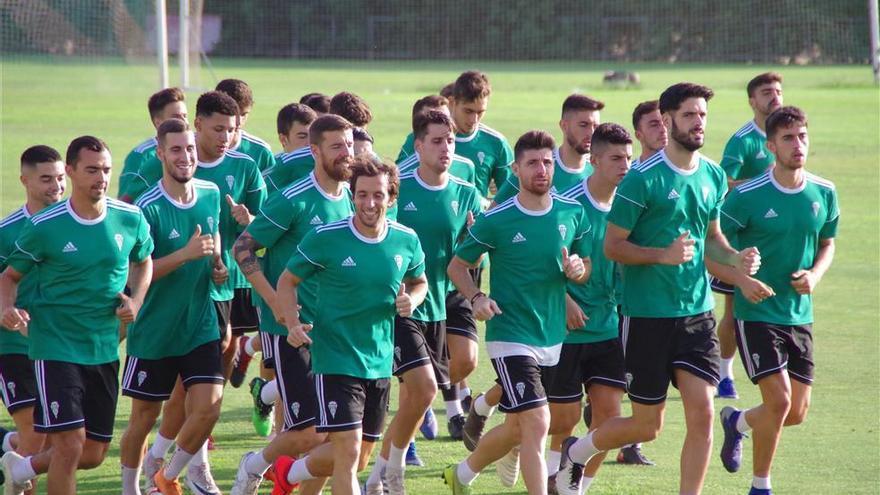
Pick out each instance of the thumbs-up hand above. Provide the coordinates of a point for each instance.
(749, 261)
(403, 302)
(219, 272)
(297, 334)
(198, 245)
(128, 308)
(16, 319)
(680, 251)
(573, 266)
(239, 212)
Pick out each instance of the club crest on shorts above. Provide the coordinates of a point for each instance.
(398, 260)
(562, 231)
(118, 238)
(454, 205)
(11, 387)
(54, 406)
(757, 359)
(397, 353)
(230, 180)
(815, 207)
(331, 406)
(210, 221)
(294, 408)
(520, 389)
(142, 375)
(629, 379)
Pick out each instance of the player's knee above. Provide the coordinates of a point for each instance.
(534, 422)
(779, 406)
(93, 456)
(348, 455)
(797, 414)
(648, 428)
(564, 418)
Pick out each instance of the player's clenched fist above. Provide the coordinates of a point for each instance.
(484, 307)
(680, 251)
(749, 261)
(16, 319)
(128, 308)
(297, 334)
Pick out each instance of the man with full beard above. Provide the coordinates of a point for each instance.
(321, 197)
(662, 224)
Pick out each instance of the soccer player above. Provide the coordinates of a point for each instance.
(176, 337)
(319, 102)
(81, 252)
(168, 103)
(484, 146)
(368, 269)
(437, 206)
(668, 327)
(320, 198)
(244, 142)
(649, 129)
(425, 103)
(745, 156)
(352, 108)
(591, 360)
(580, 117)
(363, 142)
(528, 239)
(791, 216)
(43, 178)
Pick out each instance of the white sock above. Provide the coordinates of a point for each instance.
(201, 457)
(269, 394)
(23, 471)
(463, 392)
(741, 425)
(483, 408)
(376, 474)
(762, 483)
(130, 478)
(396, 457)
(249, 346)
(257, 464)
(453, 409)
(299, 471)
(161, 446)
(465, 474)
(7, 441)
(552, 461)
(586, 481)
(727, 368)
(178, 461)
(583, 449)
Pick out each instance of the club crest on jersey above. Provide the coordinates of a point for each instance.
(521, 389)
(294, 408)
(118, 238)
(562, 231)
(54, 407)
(454, 205)
(815, 207)
(142, 375)
(230, 180)
(757, 359)
(481, 156)
(398, 260)
(706, 191)
(11, 387)
(331, 406)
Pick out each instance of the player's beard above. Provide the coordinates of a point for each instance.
(536, 189)
(683, 138)
(176, 174)
(581, 147)
(340, 169)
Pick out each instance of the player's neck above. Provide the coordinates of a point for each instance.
(532, 201)
(647, 153)
(789, 178)
(571, 158)
(328, 184)
(432, 178)
(86, 207)
(236, 139)
(682, 158)
(367, 231)
(760, 120)
(34, 205)
(206, 154)
(181, 192)
(600, 190)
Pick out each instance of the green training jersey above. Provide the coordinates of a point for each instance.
(141, 153)
(657, 202)
(563, 179)
(408, 148)
(257, 149)
(168, 324)
(746, 154)
(460, 167)
(234, 174)
(525, 275)
(598, 297)
(146, 176)
(81, 268)
(438, 214)
(12, 341)
(285, 218)
(289, 168)
(490, 153)
(786, 226)
(358, 280)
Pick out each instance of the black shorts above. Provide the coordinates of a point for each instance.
(153, 380)
(223, 309)
(654, 347)
(72, 396)
(767, 348)
(17, 383)
(720, 286)
(296, 384)
(348, 403)
(243, 314)
(418, 343)
(581, 365)
(523, 383)
(460, 317)
(268, 353)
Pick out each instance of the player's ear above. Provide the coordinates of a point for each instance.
(197, 123)
(771, 145)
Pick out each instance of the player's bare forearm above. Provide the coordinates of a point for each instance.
(718, 249)
(139, 277)
(417, 288)
(9, 280)
(167, 264)
(286, 298)
(824, 257)
(618, 248)
(245, 252)
(461, 277)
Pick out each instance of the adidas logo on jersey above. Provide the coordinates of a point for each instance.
(760, 155)
(519, 238)
(69, 248)
(771, 213)
(673, 194)
(348, 262)
(173, 234)
(316, 220)
(410, 207)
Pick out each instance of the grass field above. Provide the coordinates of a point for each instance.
(836, 451)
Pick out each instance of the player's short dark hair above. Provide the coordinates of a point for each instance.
(644, 108)
(294, 112)
(352, 107)
(533, 140)
(762, 79)
(39, 154)
(326, 123)
(783, 118)
(672, 98)
(371, 166)
(447, 90)
(170, 126)
(609, 133)
(579, 103)
(216, 102)
(361, 134)
(90, 143)
(471, 86)
(429, 102)
(239, 91)
(424, 119)
(319, 102)
(160, 99)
